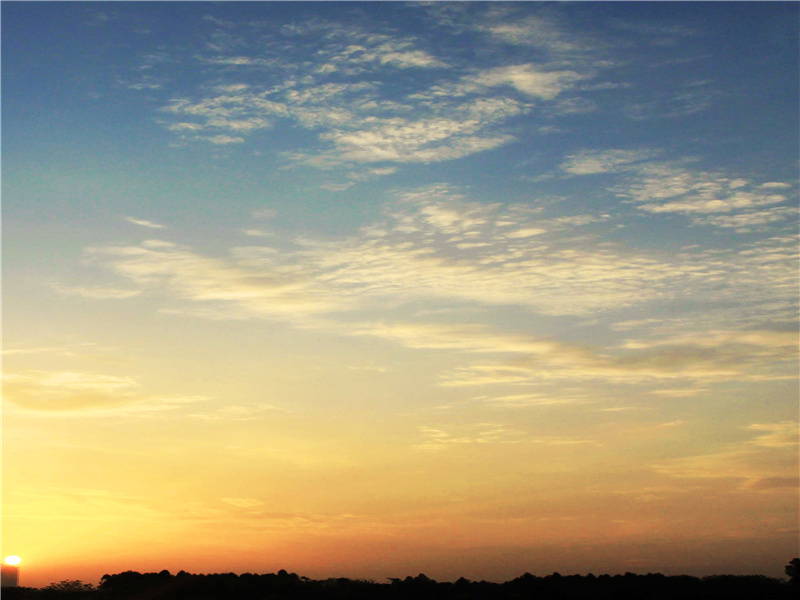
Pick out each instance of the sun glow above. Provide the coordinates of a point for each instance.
(12, 560)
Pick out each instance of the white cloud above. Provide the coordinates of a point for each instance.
(708, 198)
(83, 394)
(356, 120)
(224, 139)
(530, 80)
(751, 220)
(367, 130)
(536, 32)
(434, 245)
(230, 291)
(524, 233)
(604, 161)
(144, 223)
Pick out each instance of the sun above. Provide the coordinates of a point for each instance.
(12, 560)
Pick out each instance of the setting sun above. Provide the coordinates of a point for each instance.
(12, 560)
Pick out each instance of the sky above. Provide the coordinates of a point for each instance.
(378, 289)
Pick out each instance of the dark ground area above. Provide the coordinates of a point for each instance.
(131, 585)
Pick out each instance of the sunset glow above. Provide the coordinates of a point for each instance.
(372, 289)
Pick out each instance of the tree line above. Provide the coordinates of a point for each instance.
(132, 585)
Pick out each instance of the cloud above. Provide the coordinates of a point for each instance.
(701, 357)
(256, 233)
(749, 221)
(361, 133)
(437, 246)
(536, 32)
(707, 198)
(772, 483)
(784, 342)
(228, 116)
(528, 400)
(82, 393)
(467, 338)
(604, 161)
(230, 290)
(530, 80)
(525, 233)
(354, 50)
(768, 462)
(433, 244)
(666, 189)
(45, 349)
(98, 292)
(483, 433)
(406, 141)
(671, 107)
(342, 96)
(265, 214)
(143, 223)
(224, 139)
(679, 392)
(778, 435)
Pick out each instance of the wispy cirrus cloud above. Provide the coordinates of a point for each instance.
(83, 393)
(604, 161)
(669, 188)
(697, 357)
(537, 32)
(145, 223)
(483, 433)
(343, 95)
(433, 244)
(227, 290)
(353, 49)
(707, 198)
(765, 463)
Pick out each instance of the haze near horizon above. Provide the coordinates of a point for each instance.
(378, 289)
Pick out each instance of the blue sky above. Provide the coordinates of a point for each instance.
(560, 236)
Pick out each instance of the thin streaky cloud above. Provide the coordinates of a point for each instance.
(145, 223)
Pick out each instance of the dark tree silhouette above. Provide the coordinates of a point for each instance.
(69, 589)
(793, 571)
(131, 585)
(69, 586)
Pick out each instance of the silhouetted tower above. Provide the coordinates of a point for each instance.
(9, 572)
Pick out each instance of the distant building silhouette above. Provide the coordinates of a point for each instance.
(9, 576)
